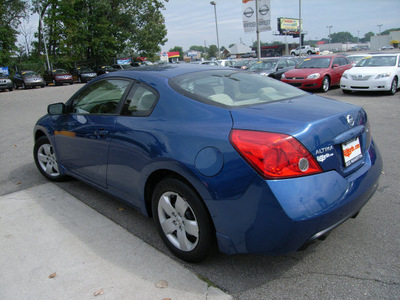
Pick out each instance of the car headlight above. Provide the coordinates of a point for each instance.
(283, 76)
(314, 76)
(382, 75)
(344, 75)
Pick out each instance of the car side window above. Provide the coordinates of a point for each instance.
(102, 97)
(343, 61)
(281, 64)
(335, 61)
(291, 63)
(140, 101)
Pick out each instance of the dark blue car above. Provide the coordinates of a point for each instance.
(218, 157)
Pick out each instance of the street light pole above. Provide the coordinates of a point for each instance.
(379, 41)
(216, 26)
(329, 28)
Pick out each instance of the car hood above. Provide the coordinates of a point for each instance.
(304, 72)
(370, 70)
(320, 124)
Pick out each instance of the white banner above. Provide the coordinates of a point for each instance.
(249, 15)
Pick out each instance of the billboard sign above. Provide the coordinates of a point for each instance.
(249, 15)
(289, 26)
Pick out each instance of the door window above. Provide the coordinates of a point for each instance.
(102, 97)
(140, 101)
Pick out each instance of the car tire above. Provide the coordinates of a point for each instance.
(325, 84)
(24, 86)
(293, 54)
(393, 87)
(182, 220)
(347, 92)
(46, 160)
(309, 52)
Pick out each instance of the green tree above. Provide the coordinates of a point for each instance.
(343, 37)
(367, 37)
(11, 13)
(102, 29)
(213, 51)
(198, 48)
(387, 31)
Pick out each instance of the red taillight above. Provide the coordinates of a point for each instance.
(274, 155)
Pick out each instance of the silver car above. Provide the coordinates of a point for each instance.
(5, 83)
(28, 79)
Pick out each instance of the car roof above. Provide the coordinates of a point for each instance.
(169, 71)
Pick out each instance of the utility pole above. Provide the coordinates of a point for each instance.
(379, 40)
(300, 28)
(329, 36)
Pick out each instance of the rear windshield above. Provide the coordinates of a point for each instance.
(231, 88)
(377, 61)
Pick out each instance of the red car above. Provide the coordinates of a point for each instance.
(318, 72)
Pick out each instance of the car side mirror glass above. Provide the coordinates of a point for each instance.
(56, 109)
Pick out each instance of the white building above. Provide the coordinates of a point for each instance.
(378, 41)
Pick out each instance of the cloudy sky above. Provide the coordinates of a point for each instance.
(192, 22)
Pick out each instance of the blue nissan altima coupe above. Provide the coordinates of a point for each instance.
(220, 158)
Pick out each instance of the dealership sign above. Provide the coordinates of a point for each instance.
(249, 15)
(289, 26)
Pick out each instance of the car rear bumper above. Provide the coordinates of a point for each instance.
(286, 215)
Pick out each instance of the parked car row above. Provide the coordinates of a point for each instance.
(367, 72)
(30, 79)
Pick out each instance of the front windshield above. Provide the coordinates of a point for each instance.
(3, 76)
(356, 58)
(59, 71)
(264, 65)
(377, 61)
(107, 68)
(317, 62)
(86, 70)
(229, 88)
(29, 74)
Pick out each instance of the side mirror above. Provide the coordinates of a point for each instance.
(56, 109)
(335, 66)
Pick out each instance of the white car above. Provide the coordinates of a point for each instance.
(379, 72)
